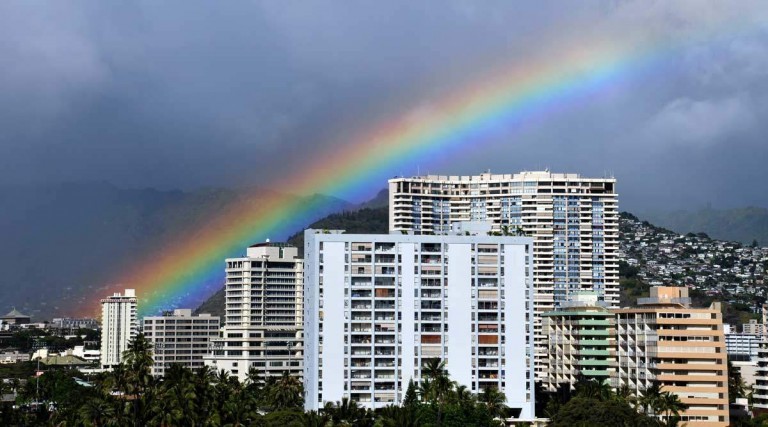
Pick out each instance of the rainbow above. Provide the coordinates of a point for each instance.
(188, 269)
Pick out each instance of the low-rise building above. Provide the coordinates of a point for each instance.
(13, 357)
(15, 317)
(178, 337)
(69, 323)
(741, 346)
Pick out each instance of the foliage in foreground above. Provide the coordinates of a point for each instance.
(130, 396)
(594, 403)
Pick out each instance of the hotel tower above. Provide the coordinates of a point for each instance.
(574, 222)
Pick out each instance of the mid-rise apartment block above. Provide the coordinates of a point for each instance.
(379, 306)
(682, 348)
(741, 346)
(119, 325)
(72, 324)
(582, 342)
(573, 220)
(753, 327)
(178, 337)
(264, 313)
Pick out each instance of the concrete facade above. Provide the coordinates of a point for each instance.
(378, 306)
(582, 342)
(178, 337)
(682, 348)
(574, 222)
(264, 314)
(119, 325)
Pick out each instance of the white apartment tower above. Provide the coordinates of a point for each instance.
(264, 313)
(118, 326)
(377, 307)
(178, 337)
(573, 220)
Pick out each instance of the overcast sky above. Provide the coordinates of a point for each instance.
(192, 94)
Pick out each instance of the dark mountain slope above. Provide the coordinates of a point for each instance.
(742, 225)
(59, 245)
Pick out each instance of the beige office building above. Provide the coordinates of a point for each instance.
(574, 222)
(264, 313)
(683, 348)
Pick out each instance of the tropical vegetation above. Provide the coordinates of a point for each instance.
(595, 403)
(130, 396)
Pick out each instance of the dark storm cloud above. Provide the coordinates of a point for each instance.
(191, 94)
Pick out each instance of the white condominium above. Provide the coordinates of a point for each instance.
(118, 326)
(573, 220)
(264, 313)
(379, 306)
(178, 337)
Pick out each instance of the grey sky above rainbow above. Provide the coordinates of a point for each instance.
(191, 94)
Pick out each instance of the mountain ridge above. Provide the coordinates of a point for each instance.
(70, 240)
(737, 224)
(366, 220)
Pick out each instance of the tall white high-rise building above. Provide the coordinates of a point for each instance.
(118, 326)
(264, 313)
(178, 337)
(573, 220)
(377, 307)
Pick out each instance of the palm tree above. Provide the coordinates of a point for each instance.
(593, 389)
(395, 416)
(118, 379)
(439, 386)
(138, 356)
(346, 412)
(736, 386)
(177, 399)
(254, 382)
(494, 401)
(286, 393)
(205, 393)
(96, 411)
(670, 405)
(625, 394)
(239, 409)
(463, 396)
(650, 398)
(316, 419)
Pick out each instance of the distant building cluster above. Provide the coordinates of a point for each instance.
(729, 271)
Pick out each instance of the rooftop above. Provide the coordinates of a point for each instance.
(15, 314)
